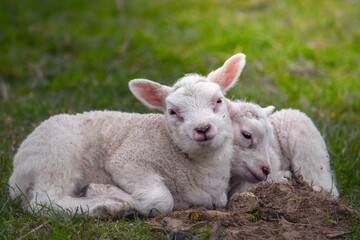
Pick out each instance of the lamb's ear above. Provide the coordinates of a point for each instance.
(269, 110)
(231, 108)
(227, 75)
(150, 93)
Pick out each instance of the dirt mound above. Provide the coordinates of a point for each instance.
(271, 211)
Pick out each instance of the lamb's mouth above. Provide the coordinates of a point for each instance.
(257, 177)
(204, 141)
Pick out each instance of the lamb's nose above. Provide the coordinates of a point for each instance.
(203, 129)
(266, 170)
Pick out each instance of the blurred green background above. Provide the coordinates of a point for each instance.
(74, 56)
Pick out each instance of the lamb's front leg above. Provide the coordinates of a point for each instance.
(120, 203)
(136, 176)
(281, 176)
(154, 198)
(96, 206)
(151, 193)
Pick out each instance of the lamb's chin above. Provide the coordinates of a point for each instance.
(209, 144)
(197, 148)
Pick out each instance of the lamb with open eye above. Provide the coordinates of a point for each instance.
(133, 161)
(269, 146)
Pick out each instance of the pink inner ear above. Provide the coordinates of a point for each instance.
(151, 94)
(230, 73)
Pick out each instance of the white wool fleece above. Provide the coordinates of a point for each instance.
(135, 161)
(286, 140)
(303, 148)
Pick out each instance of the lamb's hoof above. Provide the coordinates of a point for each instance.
(179, 235)
(83, 191)
(112, 208)
(127, 213)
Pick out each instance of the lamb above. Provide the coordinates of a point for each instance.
(275, 145)
(132, 161)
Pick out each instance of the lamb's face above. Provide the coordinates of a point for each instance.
(252, 139)
(197, 115)
(195, 110)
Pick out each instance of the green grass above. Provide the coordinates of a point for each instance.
(62, 226)
(74, 56)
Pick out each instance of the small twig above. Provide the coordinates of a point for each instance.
(297, 223)
(119, 4)
(336, 235)
(215, 231)
(4, 91)
(38, 72)
(126, 43)
(120, 11)
(35, 229)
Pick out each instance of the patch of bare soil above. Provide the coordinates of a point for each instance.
(271, 211)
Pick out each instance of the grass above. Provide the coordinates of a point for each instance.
(74, 56)
(61, 226)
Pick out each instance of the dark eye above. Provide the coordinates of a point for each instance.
(246, 135)
(172, 112)
(219, 100)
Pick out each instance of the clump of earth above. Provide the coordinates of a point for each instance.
(290, 210)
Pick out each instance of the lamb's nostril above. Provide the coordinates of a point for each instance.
(203, 129)
(266, 170)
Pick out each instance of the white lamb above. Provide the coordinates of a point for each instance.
(286, 140)
(134, 161)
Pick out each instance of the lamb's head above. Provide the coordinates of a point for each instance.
(195, 111)
(253, 134)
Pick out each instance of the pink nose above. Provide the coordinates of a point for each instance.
(203, 129)
(266, 170)
(204, 132)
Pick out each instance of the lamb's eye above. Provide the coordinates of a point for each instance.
(219, 100)
(172, 112)
(246, 135)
